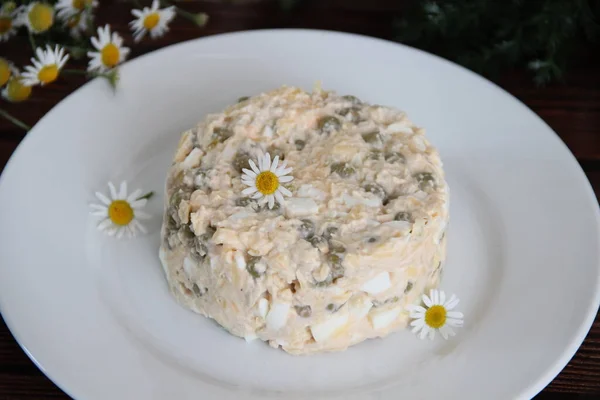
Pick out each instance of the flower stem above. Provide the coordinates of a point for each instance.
(14, 120)
(31, 41)
(147, 196)
(74, 71)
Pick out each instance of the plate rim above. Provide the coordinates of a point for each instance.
(535, 387)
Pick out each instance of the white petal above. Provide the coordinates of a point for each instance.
(455, 314)
(446, 332)
(416, 329)
(283, 171)
(416, 309)
(279, 197)
(431, 334)
(142, 215)
(120, 232)
(249, 190)
(253, 166)
(427, 301)
(426, 329)
(98, 207)
(111, 231)
(284, 179)
(99, 213)
(274, 164)
(104, 224)
(113, 191)
(141, 227)
(103, 198)
(138, 203)
(249, 182)
(257, 195)
(434, 295)
(285, 191)
(417, 322)
(123, 191)
(442, 297)
(134, 195)
(454, 322)
(267, 162)
(271, 201)
(453, 302)
(249, 173)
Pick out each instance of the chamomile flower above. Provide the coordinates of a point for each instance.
(68, 8)
(37, 17)
(120, 213)
(110, 50)
(7, 23)
(46, 67)
(77, 23)
(6, 71)
(15, 91)
(437, 315)
(265, 181)
(152, 20)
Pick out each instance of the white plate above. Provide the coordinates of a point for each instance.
(95, 314)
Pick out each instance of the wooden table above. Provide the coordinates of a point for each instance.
(571, 108)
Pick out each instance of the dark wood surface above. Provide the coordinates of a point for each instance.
(571, 108)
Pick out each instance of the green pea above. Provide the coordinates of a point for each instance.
(316, 241)
(275, 151)
(395, 157)
(243, 98)
(376, 189)
(350, 114)
(335, 263)
(300, 144)
(197, 291)
(304, 311)
(353, 99)
(187, 236)
(328, 124)
(372, 240)
(408, 288)
(221, 134)
(332, 307)
(375, 154)
(336, 247)
(329, 232)
(240, 161)
(199, 251)
(372, 137)
(344, 170)
(307, 229)
(403, 216)
(251, 267)
(425, 179)
(244, 202)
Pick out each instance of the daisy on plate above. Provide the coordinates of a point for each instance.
(437, 315)
(37, 17)
(46, 67)
(7, 23)
(152, 20)
(68, 8)
(265, 181)
(120, 213)
(110, 50)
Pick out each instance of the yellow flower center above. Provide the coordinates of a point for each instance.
(81, 4)
(48, 73)
(41, 17)
(151, 21)
(435, 316)
(4, 71)
(267, 182)
(110, 55)
(120, 212)
(16, 91)
(5, 25)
